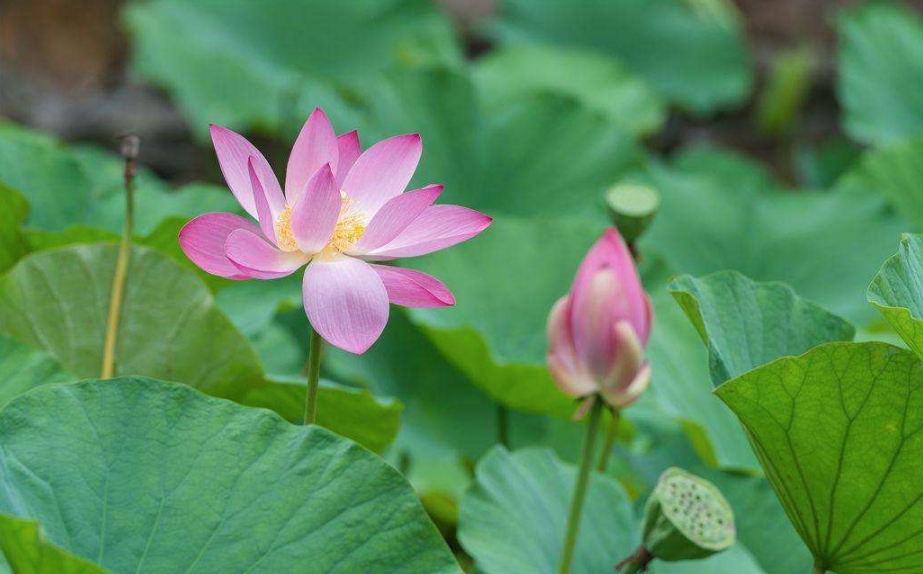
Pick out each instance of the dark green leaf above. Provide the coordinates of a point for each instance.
(23, 368)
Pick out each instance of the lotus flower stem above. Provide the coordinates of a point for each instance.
(580, 488)
(611, 431)
(314, 356)
(130, 148)
(818, 567)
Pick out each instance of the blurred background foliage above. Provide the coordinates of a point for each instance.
(785, 138)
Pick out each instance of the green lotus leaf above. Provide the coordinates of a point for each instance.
(693, 53)
(746, 324)
(897, 291)
(880, 64)
(23, 368)
(838, 433)
(138, 475)
(169, 327)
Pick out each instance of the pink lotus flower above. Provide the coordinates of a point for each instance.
(597, 333)
(342, 207)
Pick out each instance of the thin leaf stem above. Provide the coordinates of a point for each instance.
(130, 148)
(580, 488)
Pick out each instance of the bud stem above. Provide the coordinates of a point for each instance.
(314, 356)
(818, 568)
(130, 145)
(611, 431)
(580, 488)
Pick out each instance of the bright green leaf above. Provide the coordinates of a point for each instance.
(353, 413)
(25, 548)
(23, 368)
(896, 172)
(170, 327)
(897, 291)
(696, 59)
(595, 80)
(746, 324)
(143, 476)
(880, 62)
(838, 432)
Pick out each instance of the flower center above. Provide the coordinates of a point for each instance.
(349, 228)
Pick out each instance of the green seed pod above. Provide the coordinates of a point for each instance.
(632, 208)
(686, 518)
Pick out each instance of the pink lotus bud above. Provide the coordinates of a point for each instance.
(597, 333)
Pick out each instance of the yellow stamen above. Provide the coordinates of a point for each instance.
(349, 228)
(285, 239)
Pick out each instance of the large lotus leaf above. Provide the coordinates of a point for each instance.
(695, 57)
(505, 282)
(138, 475)
(350, 412)
(718, 213)
(170, 327)
(746, 324)
(283, 57)
(838, 432)
(897, 291)
(544, 154)
(23, 368)
(24, 549)
(880, 62)
(896, 172)
(513, 520)
(594, 79)
(13, 242)
(68, 186)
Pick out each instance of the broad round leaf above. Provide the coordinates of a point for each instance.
(283, 57)
(513, 520)
(746, 324)
(694, 55)
(838, 431)
(25, 549)
(897, 291)
(595, 80)
(169, 326)
(880, 62)
(13, 242)
(138, 475)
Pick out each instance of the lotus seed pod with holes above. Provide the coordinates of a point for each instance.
(686, 518)
(632, 207)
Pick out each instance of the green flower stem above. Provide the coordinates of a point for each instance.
(583, 479)
(611, 431)
(130, 153)
(314, 356)
(818, 567)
